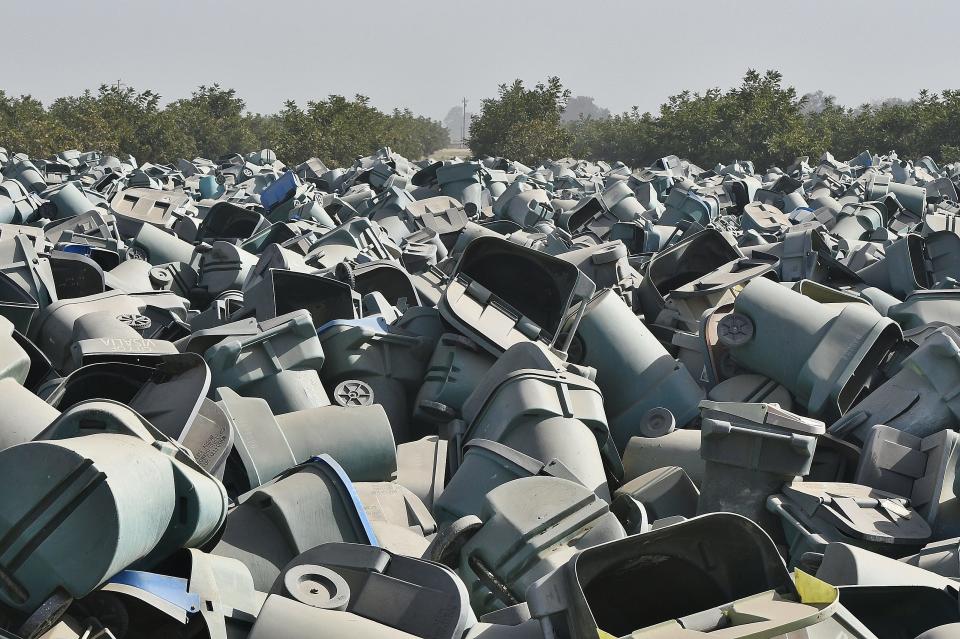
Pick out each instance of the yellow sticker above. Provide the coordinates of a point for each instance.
(604, 635)
(812, 590)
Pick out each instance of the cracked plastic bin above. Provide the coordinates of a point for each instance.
(225, 597)
(401, 522)
(139, 603)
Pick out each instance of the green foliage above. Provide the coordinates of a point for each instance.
(116, 120)
(336, 130)
(628, 137)
(211, 123)
(523, 124)
(763, 121)
(214, 121)
(760, 120)
(24, 126)
(415, 136)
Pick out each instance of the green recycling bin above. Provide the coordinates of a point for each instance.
(822, 353)
(98, 491)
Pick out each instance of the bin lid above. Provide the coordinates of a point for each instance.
(860, 512)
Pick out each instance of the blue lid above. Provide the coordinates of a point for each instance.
(351, 492)
(79, 249)
(280, 191)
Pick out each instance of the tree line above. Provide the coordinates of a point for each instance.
(761, 120)
(212, 122)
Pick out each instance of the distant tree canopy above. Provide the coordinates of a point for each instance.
(583, 106)
(212, 122)
(764, 121)
(760, 120)
(522, 124)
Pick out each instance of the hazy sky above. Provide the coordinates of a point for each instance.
(427, 54)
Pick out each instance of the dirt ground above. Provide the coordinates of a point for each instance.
(450, 153)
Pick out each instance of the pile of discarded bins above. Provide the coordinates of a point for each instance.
(478, 400)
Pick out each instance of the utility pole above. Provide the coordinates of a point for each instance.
(463, 126)
(119, 84)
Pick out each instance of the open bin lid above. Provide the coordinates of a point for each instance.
(720, 564)
(501, 294)
(281, 292)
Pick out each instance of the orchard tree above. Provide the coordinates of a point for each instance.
(523, 124)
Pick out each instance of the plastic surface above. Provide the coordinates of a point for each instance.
(94, 494)
(634, 371)
(923, 470)
(406, 594)
(484, 301)
(526, 403)
(531, 526)
(830, 351)
(814, 514)
(305, 506)
(919, 399)
(278, 364)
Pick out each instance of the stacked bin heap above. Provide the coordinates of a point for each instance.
(479, 400)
